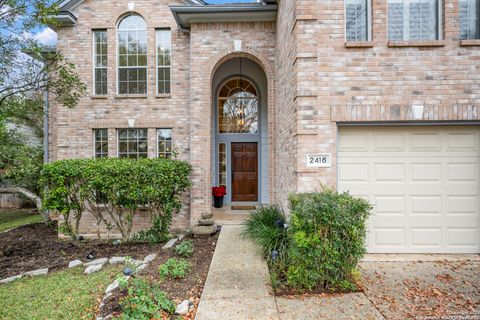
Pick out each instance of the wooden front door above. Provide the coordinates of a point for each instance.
(244, 171)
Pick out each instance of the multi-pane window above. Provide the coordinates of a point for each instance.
(100, 141)
(132, 55)
(132, 143)
(469, 19)
(164, 140)
(237, 107)
(356, 20)
(222, 164)
(100, 61)
(164, 49)
(414, 19)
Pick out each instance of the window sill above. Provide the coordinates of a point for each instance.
(131, 96)
(417, 43)
(358, 44)
(98, 96)
(470, 42)
(163, 95)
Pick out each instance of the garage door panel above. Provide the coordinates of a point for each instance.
(426, 172)
(389, 172)
(462, 238)
(422, 205)
(426, 198)
(462, 172)
(430, 237)
(355, 141)
(463, 205)
(354, 172)
(386, 141)
(425, 141)
(462, 141)
(389, 205)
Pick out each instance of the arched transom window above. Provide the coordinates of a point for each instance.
(132, 55)
(238, 107)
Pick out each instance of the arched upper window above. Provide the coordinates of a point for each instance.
(132, 55)
(237, 107)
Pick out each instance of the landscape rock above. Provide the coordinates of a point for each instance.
(137, 263)
(141, 267)
(150, 258)
(180, 237)
(206, 222)
(75, 263)
(38, 272)
(101, 261)
(183, 307)
(116, 260)
(114, 285)
(207, 215)
(204, 230)
(93, 268)
(169, 244)
(10, 279)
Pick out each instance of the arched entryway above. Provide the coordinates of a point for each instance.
(240, 131)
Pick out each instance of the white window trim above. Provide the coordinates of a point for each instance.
(369, 21)
(171, 139)
(94, 142)
(94, 87)
(117, 60)
(156, 61)
(118, 140)
(406, 28)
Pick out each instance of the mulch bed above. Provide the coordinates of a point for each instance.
(37, 246)
(188, 288)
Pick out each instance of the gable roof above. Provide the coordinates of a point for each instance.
(192, 11)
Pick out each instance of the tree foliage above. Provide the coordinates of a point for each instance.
(113, 190)
(47, 71)
(21, 135)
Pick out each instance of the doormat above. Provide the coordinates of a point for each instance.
(243, 207)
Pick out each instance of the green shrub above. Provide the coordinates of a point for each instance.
(266, 226)
(174, 269)
(116, 188)
(327, 232)
(184, 248)
(145, 301)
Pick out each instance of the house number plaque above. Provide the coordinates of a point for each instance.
(319, 160)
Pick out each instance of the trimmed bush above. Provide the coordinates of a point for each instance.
(116, 188)
(320, 247)
(327, 232)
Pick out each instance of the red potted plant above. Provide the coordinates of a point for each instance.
(218, 193)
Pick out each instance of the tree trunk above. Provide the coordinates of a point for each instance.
(30, 195)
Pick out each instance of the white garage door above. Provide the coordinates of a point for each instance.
(423, 182)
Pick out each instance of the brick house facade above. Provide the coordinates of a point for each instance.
(321, 97)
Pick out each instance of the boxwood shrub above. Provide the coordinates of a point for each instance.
(113, 190)
(319, 247)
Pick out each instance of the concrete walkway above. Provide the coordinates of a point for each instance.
(237, 285)
(238, 288)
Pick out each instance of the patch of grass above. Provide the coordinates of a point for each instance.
(16, 218)
(67, 294)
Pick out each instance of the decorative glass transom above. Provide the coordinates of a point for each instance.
(237, 107)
